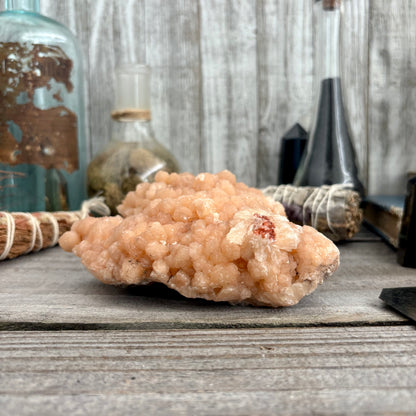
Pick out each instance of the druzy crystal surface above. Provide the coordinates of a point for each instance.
(205, 236)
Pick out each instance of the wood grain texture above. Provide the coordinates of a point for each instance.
(229, 87)
(392, 95)
(68, 13)
(367, 370)
(129, 31)
(285, 77)
(173, 52)
(101, 66)
(52, 289)
(354, 74)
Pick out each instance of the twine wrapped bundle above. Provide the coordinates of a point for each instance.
(22, 233)
(334, 210)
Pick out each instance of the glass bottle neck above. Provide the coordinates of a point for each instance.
(27, 5)
(329, 44)
(133, 130)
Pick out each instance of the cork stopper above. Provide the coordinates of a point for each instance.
(131, 114)
(331, 4)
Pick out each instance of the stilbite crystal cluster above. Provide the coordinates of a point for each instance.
(205, 236)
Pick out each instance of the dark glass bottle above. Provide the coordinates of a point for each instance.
(330, 157)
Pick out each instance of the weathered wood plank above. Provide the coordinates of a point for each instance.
(172, 50)
(51, 288)
(345, 347)
(129, 32)
(102, 62)
(115, 36)
(148, 32)
(229, 87)
(304, 371)
(392, 94)
(323, 401)
(285, 77)
(354, 73)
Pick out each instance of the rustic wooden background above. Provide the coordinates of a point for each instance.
(230, 77)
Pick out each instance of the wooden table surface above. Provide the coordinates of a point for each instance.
(71, 345)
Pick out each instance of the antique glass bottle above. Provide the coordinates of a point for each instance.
(42, 132)
(330, 157)
(133, 154)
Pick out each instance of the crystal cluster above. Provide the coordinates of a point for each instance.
(205, 236)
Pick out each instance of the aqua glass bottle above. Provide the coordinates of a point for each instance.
(42, 131)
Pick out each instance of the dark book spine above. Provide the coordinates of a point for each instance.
(406, 254)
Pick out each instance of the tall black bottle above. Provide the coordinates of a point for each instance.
(330, 157)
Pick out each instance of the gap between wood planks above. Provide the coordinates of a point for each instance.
(146, 326)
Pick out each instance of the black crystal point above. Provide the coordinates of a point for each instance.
(292, 146)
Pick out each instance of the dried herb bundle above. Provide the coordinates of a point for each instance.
(22, 233)
(334, 210)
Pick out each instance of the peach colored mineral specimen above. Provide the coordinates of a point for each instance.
(208, 237)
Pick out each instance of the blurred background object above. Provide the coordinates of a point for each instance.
(229, 78)
(133, 155)
(42, 130)
(330, 156)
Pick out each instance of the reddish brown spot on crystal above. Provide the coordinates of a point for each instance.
(265, 228)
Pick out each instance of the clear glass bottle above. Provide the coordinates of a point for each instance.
(330, 157)
(133, 154)
(42, 131)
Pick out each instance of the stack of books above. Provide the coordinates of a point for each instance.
(383, 214)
